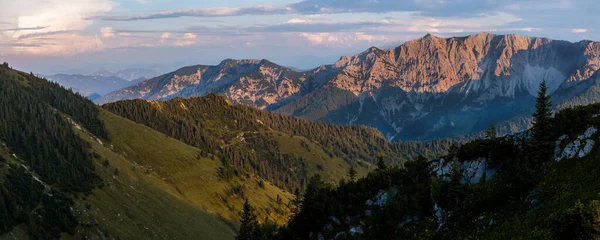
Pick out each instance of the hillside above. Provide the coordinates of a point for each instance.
(65, 158)
(282, 149)
(539, 184)
(427, 88)
(71, 170)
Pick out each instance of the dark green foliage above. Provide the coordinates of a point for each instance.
(53, 217)
(41, 136)
(215, 126)
(352, 174)
(541, 132)
(322, 202)
(315, 205)
(410, 150)
(18, 195)
(37, 125)
(521, 201)
(22, 201)
(381, 166)
(582, 221)
(491, 132)
(250, 229)
(248, 223)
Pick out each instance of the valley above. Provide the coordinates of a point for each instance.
(484, 136)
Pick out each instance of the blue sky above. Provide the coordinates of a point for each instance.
(50, 36)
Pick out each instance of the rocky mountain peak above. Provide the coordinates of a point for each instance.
(428, 79)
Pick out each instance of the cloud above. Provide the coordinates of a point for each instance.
(206, 12)
(57, 15)
(64, 43)
(164, 37)
(189, 36)
(24, 29)
(310, 26)
(188, 39)
(107, 32)
(434, 8)
(42, 27)
(43, 34)
(338, 39)
(579, 30)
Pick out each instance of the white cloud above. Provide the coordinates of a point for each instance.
(188, 39)
(63, 19)
(164, 36)
(579, 30)
(527, 29)
(342, 39)
(107, 32)
(298, 20)
(189, 36)
(59, 44)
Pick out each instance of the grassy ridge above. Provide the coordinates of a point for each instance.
(136, 205)
(178, 169)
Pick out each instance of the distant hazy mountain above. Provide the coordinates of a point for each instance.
(130, 74)
(427, 88)
(91, 85)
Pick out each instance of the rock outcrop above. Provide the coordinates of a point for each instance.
(580, 147)
(472, 171)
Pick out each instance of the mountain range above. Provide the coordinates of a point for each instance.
(101, 82)
(426, 88)
(212, 167)
(176, 169)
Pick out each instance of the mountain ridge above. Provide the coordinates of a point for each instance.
(432, 80)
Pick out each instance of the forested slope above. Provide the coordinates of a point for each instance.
(255, 141)
(540, 184)
(65, 172)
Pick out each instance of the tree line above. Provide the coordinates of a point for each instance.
(216, 126)
(34, 126)
(523, 200)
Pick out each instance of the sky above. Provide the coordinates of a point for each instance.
(68, 36)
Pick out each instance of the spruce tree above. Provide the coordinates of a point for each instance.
(352, 173)
(541, 132)
(541, 118)
(297, 202)
(249, 224)
(381, 166)
(490, 132)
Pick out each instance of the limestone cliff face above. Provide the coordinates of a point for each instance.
(425, 88)
(501, 64)
(253, 82)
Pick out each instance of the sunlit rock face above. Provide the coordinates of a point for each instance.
(426, 88)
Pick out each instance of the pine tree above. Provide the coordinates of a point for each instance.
(249, 224)
(491, 132)
(352, 173)
(297, 202)
(381, 166)
(455, 190)
(541, 132)
(541, 118)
